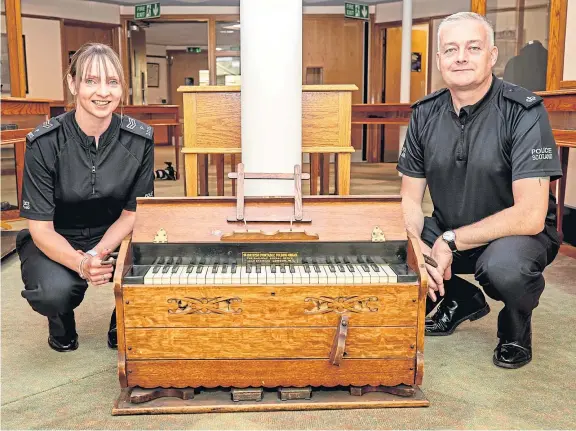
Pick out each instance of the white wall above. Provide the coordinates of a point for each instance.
(43, 57)
(388, 12)
(71, 9)
(155, 95)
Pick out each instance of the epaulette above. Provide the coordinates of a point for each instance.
(46, 127)
(429, 97)
(521, 96)
(137, 127)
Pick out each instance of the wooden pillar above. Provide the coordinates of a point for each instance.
(15, 48)
(478, 6)
(556, 39)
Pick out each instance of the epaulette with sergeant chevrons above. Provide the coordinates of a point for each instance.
(137, 127)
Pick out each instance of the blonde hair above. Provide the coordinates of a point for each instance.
(462, 16)
(83, 59)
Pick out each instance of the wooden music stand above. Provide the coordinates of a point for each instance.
(297, 177)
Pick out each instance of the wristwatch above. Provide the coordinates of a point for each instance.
(92, 252)
(449, 238)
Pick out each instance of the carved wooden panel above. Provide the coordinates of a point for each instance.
(269, 306)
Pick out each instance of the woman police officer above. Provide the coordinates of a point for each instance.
(83, 171)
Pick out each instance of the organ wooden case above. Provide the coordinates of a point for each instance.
(247, 304)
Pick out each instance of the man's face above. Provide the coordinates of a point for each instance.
(465, 57)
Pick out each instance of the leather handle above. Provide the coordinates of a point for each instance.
(339, 343)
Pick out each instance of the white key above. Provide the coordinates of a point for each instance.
(166, 274)
(392, 277)
(158, 275)
(364, 273)
(313, 275)
(184, 274)
(270, 276)
(304, 276)
(281, 275)
(349, 276)
(322, 277)
(220, 276)
(149, 277)
(332, 273)
(200, 272)
(175, 274)
(235, 276)
(211, 274)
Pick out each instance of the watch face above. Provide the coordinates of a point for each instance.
(449, 236)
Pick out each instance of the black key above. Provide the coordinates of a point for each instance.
(316, 268)
(233, 268)
(199, 269)
(283, 269)
(214, 268)
(273, 269)
(347, 259)
(160, 261)
(175, 269)
(248, 269)
(369, 259)
(157, 260)
(341, 268)
(156, 269)
(292, 269)
(202, 261)
(307, 268)
(361, 259)
(375, 267)
(332, 260)
(189, 269)
(350, 268)
(331, 268)
(365, 267)
(168, 260)
(258, 268)
(178, 261)
(224, 268)
(166, 269)
(339, 259)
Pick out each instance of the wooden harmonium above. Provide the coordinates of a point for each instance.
(216, 315)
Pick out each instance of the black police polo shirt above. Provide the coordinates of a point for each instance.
(70, 181)
(470, 160)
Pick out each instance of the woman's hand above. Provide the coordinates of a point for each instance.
(95, 271)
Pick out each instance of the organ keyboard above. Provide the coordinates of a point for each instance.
(269, 315)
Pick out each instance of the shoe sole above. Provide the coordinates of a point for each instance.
(509, 366)
(472, 317)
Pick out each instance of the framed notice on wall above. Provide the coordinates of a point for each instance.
(153, 74)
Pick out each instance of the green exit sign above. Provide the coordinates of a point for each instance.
(194, 49)
(145, 11)
(358, 11)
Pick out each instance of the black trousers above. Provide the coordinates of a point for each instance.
(52, 289)
(509, 269)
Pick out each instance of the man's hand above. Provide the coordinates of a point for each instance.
(442, 254)
(95, 271)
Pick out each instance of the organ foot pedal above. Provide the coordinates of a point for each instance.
(265, 399)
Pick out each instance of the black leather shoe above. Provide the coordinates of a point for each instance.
(63, 344)
(452, 312)
(511, 354)
(112, 333)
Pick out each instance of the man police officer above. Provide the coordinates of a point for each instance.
(485, 149)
